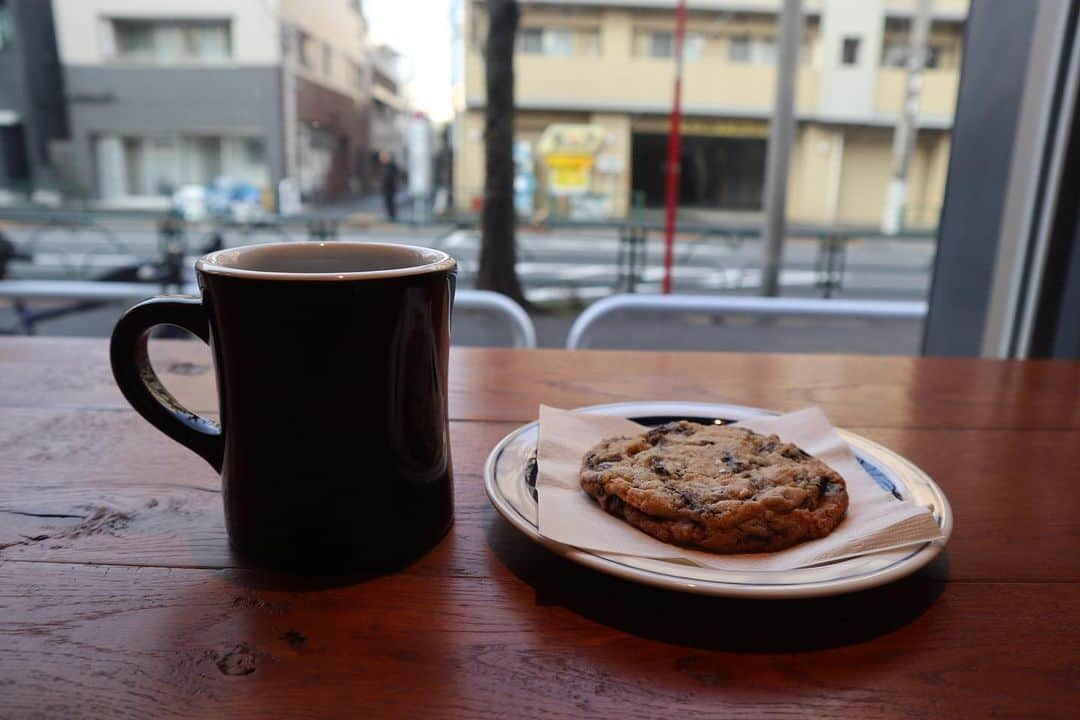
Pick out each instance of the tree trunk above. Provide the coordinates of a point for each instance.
(497, 254)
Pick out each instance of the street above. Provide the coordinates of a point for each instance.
(562, 270)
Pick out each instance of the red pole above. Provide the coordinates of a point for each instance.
(674, 148)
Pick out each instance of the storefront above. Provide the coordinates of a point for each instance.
(722, 162)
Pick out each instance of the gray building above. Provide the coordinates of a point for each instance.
(174, 93)
(32, 113)
(141, 132)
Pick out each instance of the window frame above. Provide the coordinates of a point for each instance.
(116, 48)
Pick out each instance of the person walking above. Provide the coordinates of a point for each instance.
(389, 184)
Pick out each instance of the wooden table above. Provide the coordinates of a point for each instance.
(119, 597)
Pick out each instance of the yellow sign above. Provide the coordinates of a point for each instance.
(568, 174)
(565, 138)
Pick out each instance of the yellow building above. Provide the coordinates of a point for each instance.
(609, 63)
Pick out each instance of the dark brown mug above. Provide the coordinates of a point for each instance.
(331, 364)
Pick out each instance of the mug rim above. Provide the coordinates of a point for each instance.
(210, 263)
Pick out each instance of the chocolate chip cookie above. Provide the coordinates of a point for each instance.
(721, 488)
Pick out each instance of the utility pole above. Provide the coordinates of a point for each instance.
(778, 157)
(906, 128)
(674, 149)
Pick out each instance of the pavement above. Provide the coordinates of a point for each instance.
(562, 270)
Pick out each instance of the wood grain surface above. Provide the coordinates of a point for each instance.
(549, 641)
(120, 598)
(509, 385)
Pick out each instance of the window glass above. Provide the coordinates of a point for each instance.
(849, 51)
(303, 45)
(532, 41)
(933, 56)
(208, 41)
(661, 45)
(132, 39)
(314, 92)
(6, 28)
(738, 49)
(254, 151)
(171, 40)
(894, 53)
(558, 42)
(154, 165)
(766, 51)
(693, 46)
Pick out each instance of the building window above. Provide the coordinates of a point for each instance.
(557, 42)
(356, 75)
(286, 40)
(132, 39)
(661, 45)
(693, 46)
(381, 79)
(933, 57)
(898, 25)
(849, 51)
(942, 50)
(532, 41)
(7, 28)
(591, 43)
(305, 50)
(143, 165)
(738, 49)
(765, 51)
(254, 151)
(327, 60)
(896, 54)
(172, 40)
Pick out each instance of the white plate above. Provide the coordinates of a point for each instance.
(505, 481)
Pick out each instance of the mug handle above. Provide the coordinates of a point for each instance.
(140, 384)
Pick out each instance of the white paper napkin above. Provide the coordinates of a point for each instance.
(875, 519)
